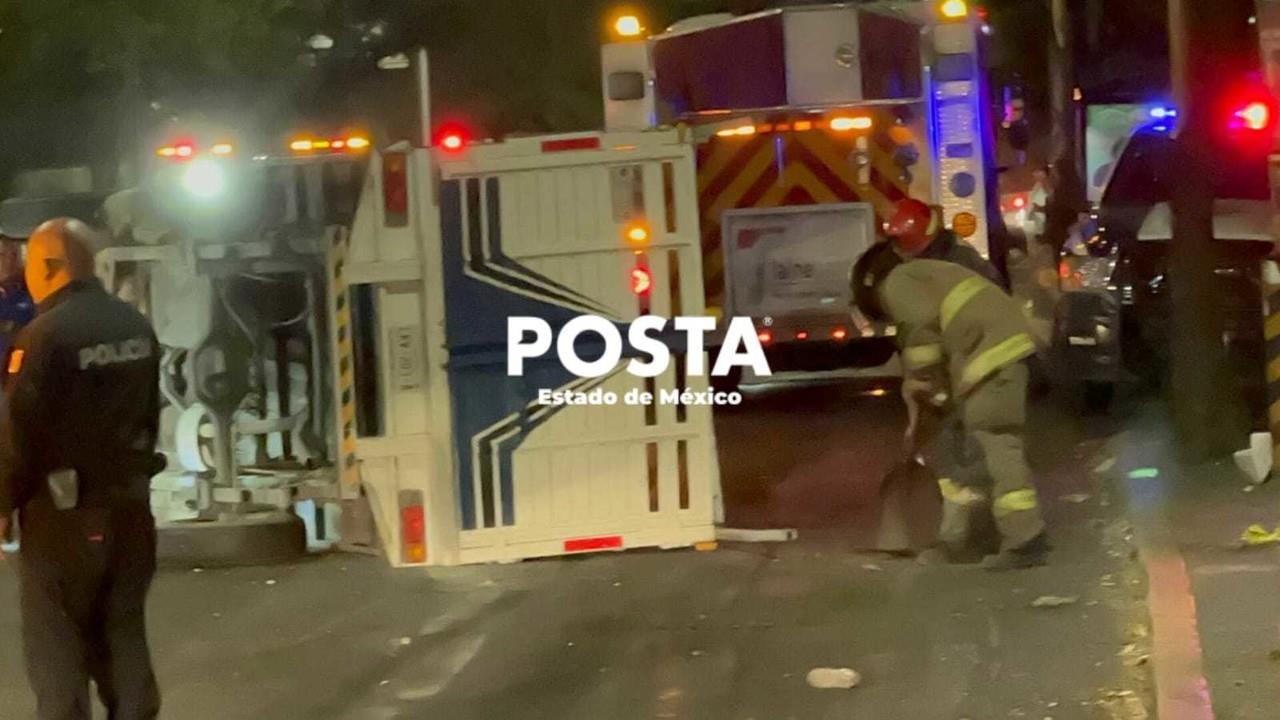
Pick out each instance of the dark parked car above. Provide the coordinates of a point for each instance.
(1112, 324)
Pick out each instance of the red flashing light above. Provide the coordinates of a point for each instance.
(185, 150)
(1255, 116)
(802, 335)
(453, 138)
(1019, 202)
(765, 336)
(839, 334)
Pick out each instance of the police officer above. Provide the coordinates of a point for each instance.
(77, 449)
(963, 341)
(917, 232)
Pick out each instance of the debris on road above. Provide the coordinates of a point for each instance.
(833, 678)
(1104, 466)
(1256, 535)
(1144, 474)
(1255, 460)
(1274, 655)
(1053, 601)
(756, 536)
(872, 567)
(1076, 498)
(271, 582)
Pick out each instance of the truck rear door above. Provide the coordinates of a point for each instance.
(790, 265)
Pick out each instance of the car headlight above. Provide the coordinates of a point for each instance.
(204, 180)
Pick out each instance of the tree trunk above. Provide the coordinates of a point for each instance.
(1209, 414)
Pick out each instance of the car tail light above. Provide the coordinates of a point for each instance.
(413, 528)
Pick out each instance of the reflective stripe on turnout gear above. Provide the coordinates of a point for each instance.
(960, 296)
(922, 356)
(1013, 502)
(1006, 353)
(957, 494)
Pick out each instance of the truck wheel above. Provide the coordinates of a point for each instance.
(728, 383)
(1098, 396)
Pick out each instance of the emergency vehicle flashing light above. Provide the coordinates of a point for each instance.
(802, 335)
(180, 151)
(637, 233)
(954, 9)
(452, 138)
(1253, 116)
(628, 26)
(839, 334)
(765, 336)
(842, 124)
(349, 143)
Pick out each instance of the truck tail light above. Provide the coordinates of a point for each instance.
(641, 281)
(413, 528)
(765, 337)
(395, 189)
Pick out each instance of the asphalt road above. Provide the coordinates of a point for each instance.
(682, 634)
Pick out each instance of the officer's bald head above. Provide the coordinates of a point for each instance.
(59, 251)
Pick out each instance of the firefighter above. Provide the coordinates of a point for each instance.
(16, 307)
(77, 450)
(963, 341)
(916, 231)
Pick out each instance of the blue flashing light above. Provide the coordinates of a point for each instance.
(1161, 113)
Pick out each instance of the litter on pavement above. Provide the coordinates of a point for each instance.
(1255, 460)
(1256, 535)
(1052, 601)
(833, 678)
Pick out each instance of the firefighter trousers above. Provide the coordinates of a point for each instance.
(84, 576)
(966, 529)
(995, 416)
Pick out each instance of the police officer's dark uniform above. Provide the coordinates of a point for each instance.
(82, 396)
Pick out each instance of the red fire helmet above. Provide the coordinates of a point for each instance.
(912, 226)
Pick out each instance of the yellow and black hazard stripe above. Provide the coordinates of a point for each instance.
(340, 306)
(1271, 331)
(777, 169)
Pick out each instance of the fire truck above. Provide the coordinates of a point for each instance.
(810, 122)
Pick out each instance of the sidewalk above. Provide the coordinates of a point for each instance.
(1194, 516)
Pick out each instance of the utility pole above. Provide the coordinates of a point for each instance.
(1209, 414)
